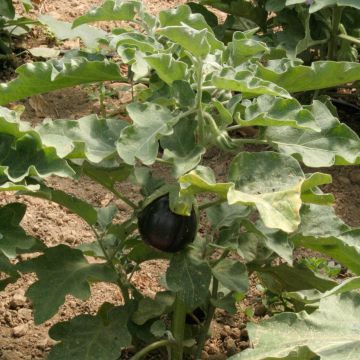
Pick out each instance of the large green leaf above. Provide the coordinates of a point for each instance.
(110, 10)
(202, 179)
(246, 81)
(181, 148)
(321, 4)
(321, 230)
(232, 275)
(224, 215)
(72, 203)
(88, 337)
(61, 271)
(7, 9)
(190, 278)
(22, 152)
(13, 239)
(199, 42)
(336, 144)
(140, 140)
(7, 268)
(311, 194)
(294, 77)
(242, 8)
(287, 278)
(182, 15)
(270, 181)
(344, 248)
(320, 221)
(313, 296)
(62, 31)
(88, 138)
(152, 308)
(167, 68)
(268, 110)
(243, 48)
(331, 332)
(42, 77)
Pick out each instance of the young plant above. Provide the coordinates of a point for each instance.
(199, 93)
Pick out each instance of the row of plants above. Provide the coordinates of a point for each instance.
(192, 90)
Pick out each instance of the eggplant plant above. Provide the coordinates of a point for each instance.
(310, 29)
(191, 93)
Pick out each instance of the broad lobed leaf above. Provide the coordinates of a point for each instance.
(331, 332)
(92, 337)
(61, 271)
(41, 77)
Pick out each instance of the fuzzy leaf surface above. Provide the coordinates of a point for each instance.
(13, 239)
(272, 183)
(246, 81)
(23, 154)
(140, 140)
(110, 10)
(61, 270)
(76, 138)
(88, 337)
(286, 333)
(190, 278)
(294, 77)
(43, 77)
(335, 144)
(62, 31)
(268, 110)
(232, 275)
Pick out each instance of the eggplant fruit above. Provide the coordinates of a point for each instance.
(163, 229)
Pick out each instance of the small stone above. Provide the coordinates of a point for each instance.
(260, 310)
(25, 314)
(10, 355)
(244, 335)
(20, 330)
(344, 180)
(244, 345)
(230, 346)
(212, 349)
(355, 176)
(42, 344)
(235, 333)
(17, 301)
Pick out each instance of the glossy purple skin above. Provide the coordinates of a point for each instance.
(165, 230)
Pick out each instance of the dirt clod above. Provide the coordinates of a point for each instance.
(20, 330)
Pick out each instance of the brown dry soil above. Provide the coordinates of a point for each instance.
(20, 339)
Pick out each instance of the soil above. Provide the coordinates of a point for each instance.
(20, 338)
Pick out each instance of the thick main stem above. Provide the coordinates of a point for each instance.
(199, 89)
(178, 328)
(209, 316)
(123, 288)
(336, 18)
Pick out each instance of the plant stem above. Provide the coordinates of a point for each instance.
(349, 38)
(210, 203)
(178, 327)
(336, 18)
(250, 141)
(200, 115)
(124, 289)
(123, 198)
(210, 314)
(102, 97)
(151, 347)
